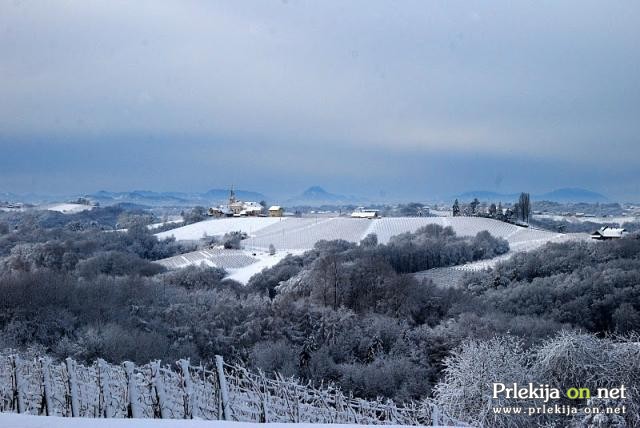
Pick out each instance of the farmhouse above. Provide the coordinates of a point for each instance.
(607, 232)
(362, 212)
(217, 211)
(276, 211)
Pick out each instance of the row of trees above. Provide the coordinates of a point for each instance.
(520, 211)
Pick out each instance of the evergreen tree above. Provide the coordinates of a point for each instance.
(456, 208)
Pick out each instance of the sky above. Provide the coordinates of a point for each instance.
(384, 99)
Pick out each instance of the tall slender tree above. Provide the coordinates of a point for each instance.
(524, 205)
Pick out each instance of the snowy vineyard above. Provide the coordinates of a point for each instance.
(224, 392)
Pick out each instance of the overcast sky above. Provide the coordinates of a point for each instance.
(399, 98)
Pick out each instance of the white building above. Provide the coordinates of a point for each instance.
(276, 211)
(363, 212)
(607, 232)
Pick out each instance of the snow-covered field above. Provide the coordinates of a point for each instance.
(265, 260)
(620, 220)
(295, 235)
(240, 264)
(303, 233)
(157, 225)
(220, 226)
(67, 208)
(451, 276)
(215, 257)
(12, 420)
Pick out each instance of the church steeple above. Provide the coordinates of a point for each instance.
(232, 196)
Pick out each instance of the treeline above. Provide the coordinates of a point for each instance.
(590, 286)
(31, 243)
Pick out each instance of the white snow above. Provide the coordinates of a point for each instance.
(450, 276)
(213, 257)
(157, 225)
(67, 208)
(574, 219)
(242, 275)
(12, 420)
(296, 235)
(217, 227)
(241, 264)
(303, 233)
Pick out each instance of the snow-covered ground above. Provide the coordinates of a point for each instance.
(303, 233)
(12, 420)
(220, 226)
(213, 257)
(241, 264)
(157, 225)
(573, 219)
(265, 260)
(296, 235)
(451, 276)
(68, 208)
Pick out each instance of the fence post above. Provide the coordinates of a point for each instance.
(190, 410)
(73, 387)
(435, 415)
(262, 392)
(105, 391)
(132, 391)
(158, 385)
(18, 397)
(224, 391)
(265, 408)
(46, 384)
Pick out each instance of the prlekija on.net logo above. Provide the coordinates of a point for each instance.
(547, 394)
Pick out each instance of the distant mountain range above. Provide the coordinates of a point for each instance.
(571, 195)
(485, 195)
(210, 197)
(313, 196)
(316, 196)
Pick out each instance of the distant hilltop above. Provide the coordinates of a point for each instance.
(558, 195)
(146, 197)
(316, 196)
(572, 195)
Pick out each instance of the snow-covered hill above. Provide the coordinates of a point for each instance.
(295, 235)
(68, 208)
(218, 227)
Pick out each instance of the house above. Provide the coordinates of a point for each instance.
(276, 211)
(217, 212)
(607, 232)
(237, 208)
(252, 209)
(362, 212)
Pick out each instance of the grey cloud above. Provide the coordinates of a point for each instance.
(364, 86)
